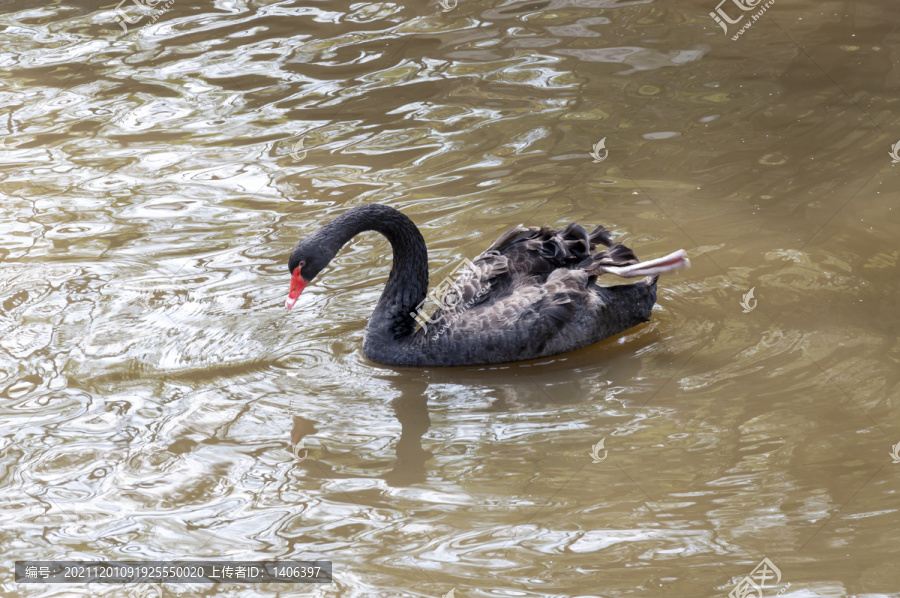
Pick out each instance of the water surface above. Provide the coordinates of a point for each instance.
(154, 181)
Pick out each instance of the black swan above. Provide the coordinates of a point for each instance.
(530, 295)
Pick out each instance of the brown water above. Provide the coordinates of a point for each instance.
(154, 183)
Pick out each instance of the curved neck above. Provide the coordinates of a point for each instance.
(408, 281)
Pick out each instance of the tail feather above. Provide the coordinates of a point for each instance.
(664, 265)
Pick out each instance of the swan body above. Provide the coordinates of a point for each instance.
(529, 295)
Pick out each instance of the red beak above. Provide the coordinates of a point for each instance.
(297, 286)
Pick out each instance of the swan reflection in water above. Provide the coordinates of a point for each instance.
(410, 409)
(571, 379)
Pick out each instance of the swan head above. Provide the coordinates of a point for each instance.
(305, 263)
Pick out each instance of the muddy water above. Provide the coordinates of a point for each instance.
(154, 181)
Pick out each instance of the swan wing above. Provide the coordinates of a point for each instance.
(538, 252)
